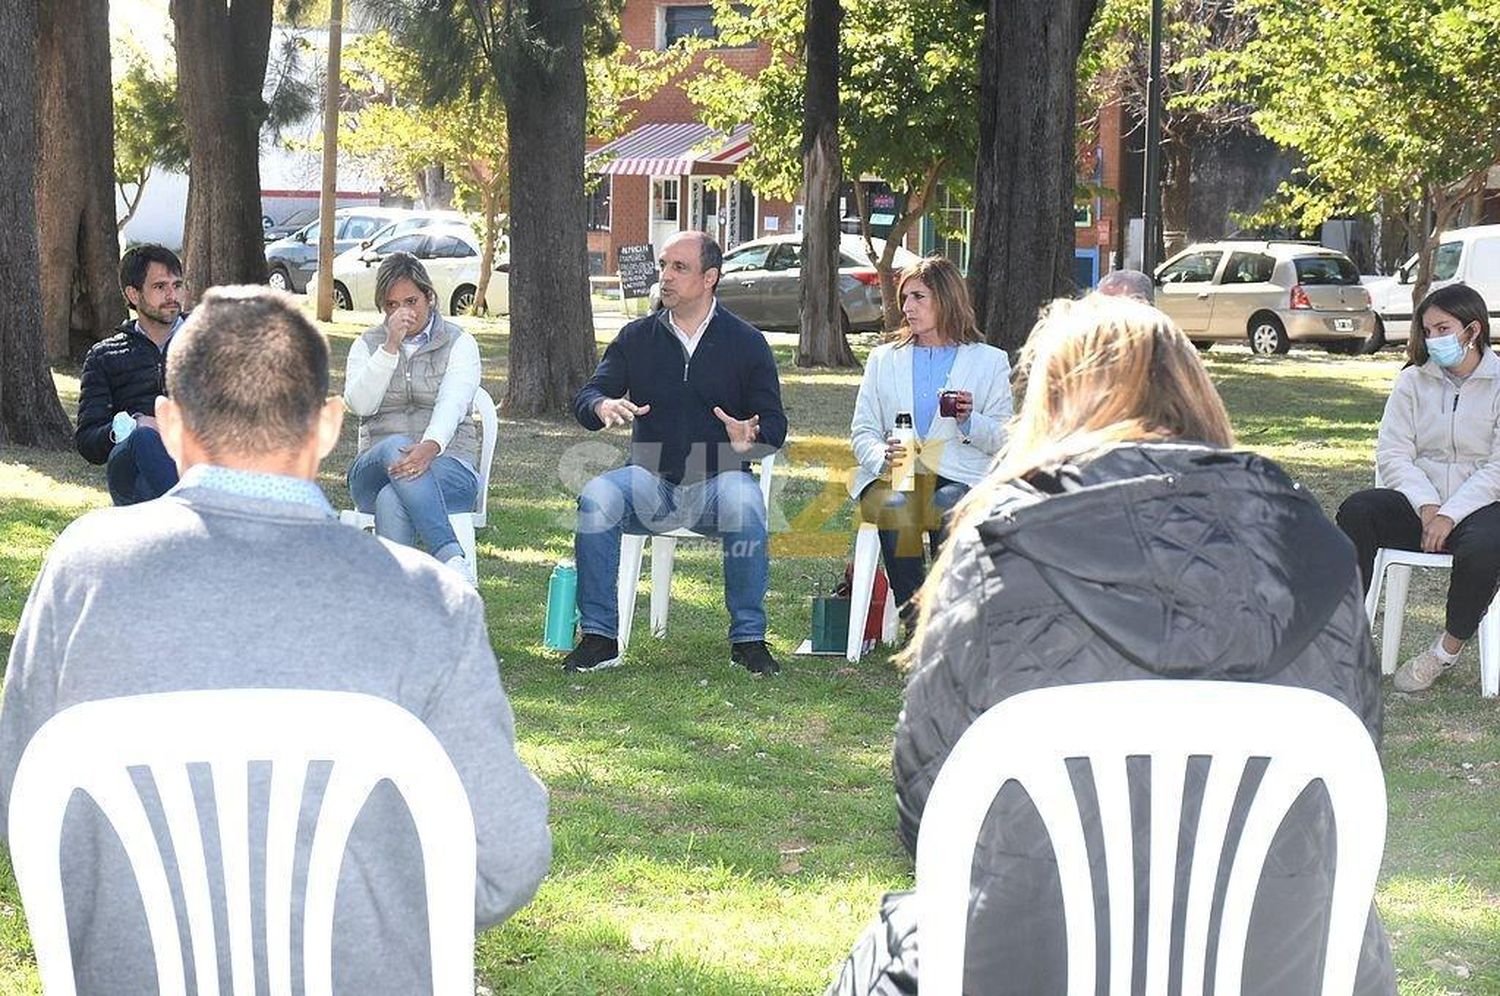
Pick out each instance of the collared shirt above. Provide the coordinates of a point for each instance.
(930, 367)
(413, 343)
(175, 326)
(690, 342)
(254, 484)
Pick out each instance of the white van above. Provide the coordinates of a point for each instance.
(1464, 255)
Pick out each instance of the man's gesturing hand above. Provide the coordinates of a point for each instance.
(742, 432)
(618, 411)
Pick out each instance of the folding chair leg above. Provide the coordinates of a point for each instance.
(1377, 579)
(463, 529)
(862, 587)
(663, 552)
(1397, 581)
(889, 617)
(631, 549)
(1489, 651)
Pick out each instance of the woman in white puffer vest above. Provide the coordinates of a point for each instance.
(1438, 455)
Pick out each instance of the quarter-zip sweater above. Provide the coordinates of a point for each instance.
(1438, 443)
(680, 438)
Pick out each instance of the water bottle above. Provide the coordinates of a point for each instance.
(562, 607)
(904, 473)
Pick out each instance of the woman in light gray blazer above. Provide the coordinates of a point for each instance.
(938, 349)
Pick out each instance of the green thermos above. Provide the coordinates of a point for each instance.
(562, 607)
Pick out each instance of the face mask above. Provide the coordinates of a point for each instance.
(1446, 350)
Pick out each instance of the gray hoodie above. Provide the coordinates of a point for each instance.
(203, 589)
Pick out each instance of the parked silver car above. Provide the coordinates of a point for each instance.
(761, 282)
(1271, 293)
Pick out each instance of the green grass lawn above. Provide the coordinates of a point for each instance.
(718, 834)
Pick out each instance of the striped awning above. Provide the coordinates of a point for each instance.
(671, 149)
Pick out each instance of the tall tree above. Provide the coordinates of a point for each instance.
(149, 134)
(1115, 67)
(822, 341)
(1385, 104)
(30, 414)
(906, 91)
(222, 50)
(535, 50)
(1025, 176)
(75, 200)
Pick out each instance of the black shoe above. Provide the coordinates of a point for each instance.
(593, 653)
(753, 656)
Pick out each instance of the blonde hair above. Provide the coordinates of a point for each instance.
(1093, 373)
(950, 297)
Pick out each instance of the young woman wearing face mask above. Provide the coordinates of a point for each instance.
(1438, 455)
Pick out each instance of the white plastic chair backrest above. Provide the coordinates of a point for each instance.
(484, 407)
(1305, 735)
(91, 746)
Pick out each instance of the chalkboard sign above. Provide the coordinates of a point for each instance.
(637, 268)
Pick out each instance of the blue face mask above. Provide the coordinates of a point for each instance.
(1446, 350)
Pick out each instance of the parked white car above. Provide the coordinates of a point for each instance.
(1464, 255)
(451, 256)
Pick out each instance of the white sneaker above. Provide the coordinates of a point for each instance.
(1418, 673)
(459, 564)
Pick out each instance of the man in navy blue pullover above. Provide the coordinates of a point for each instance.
(701, 391)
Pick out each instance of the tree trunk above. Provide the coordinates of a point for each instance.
(30, 414)
(1446, 203)
(822, 342)
(489, 206)
(222, 47)
(551, 321)
(915, 208)
(1176, 192)
(1025, 175)
(77, 237)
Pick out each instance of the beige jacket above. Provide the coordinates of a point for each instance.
(1438, 443)
(979, 368)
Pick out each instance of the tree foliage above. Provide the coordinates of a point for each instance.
(1115, 66)
(401, 137)
(149, 133)
(1383, 102)
(908, 88)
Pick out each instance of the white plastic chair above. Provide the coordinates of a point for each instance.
(1393, 573)
(1305, 735)
(862, 590)
(92, 746)
(663, 553)
(464, 523)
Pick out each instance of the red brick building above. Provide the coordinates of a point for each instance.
(670, 173)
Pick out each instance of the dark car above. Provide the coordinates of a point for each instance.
(281, 229)
(292, 260)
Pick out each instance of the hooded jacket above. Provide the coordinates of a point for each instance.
(1166, 560)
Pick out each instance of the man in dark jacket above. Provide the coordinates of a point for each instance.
(123, 375)
(701, 389)
(1155, 560)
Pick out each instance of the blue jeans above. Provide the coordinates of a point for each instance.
(633, 500)
(419, 507)
(902, 516)
(139, 468)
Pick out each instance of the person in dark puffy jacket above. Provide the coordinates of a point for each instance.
(1121, 538)
(122, 376)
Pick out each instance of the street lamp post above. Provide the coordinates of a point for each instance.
(1151, 247)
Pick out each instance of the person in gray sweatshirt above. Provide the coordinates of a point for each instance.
(241, 577)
